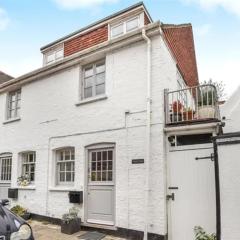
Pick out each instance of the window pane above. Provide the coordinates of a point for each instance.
(62, 167)
(99, 166)
(100, 68)
(88, 92)
(100, 78)
(110, 165)
(104, 165)
(98, 176)
(59, 54)
(50, 58)
(100, 89)
(62, 177)
(104, 155)
(68, 177)
(109, 176)
(132, 24)
(67, 155)
(117, 30)
(104, 176)
(68, 166)
(94, 156)
(94, 166)
(110, 153)
(88, 72)
(99, 156)
(88, 82)
(93, 177)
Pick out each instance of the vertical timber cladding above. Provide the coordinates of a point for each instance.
(191, 191)
(228, 152)
(86, 40)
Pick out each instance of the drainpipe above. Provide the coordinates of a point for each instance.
(148, 129)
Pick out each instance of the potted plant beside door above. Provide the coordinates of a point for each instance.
(71, 223)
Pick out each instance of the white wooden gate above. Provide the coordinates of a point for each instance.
(191, 191)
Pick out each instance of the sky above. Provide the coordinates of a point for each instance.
(27, 25)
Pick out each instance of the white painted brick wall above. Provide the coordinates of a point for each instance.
(48, 110)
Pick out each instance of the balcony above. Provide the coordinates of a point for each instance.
(191, 105)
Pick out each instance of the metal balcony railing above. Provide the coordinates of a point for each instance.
(193, 104)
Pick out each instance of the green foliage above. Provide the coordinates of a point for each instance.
(200, 234)
(207, 96)
(72, 214)
(18, 210)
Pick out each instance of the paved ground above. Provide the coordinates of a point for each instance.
(44, 231)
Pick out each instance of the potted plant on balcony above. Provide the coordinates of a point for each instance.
(71, 223)
(177, 108)
(206, 102)
(188, 114)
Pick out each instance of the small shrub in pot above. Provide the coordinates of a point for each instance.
(71, 223)
(21, 212)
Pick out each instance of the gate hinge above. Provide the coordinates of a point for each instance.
(208, 157)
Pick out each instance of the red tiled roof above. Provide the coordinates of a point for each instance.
(181, 43)
(4, 77)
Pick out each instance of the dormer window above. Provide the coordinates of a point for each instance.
(125, 26)
(53, 55)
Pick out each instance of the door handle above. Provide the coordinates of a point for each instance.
(171, 196)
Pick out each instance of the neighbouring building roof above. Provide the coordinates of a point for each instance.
(181, 43)
(139, 4)
(4, 77)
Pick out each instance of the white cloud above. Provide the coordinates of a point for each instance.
(74, 4)
(229, 5)
(4, 20)
(226, 70)
(202, 30)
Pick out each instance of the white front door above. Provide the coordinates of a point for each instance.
(5, 175)
(100, 199)
(191, 182)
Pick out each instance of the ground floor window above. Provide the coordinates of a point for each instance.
(5, 168)
(65, 161)
(28, 165)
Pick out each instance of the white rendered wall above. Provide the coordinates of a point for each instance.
(48, 111)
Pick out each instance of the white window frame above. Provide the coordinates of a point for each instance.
(54, 52)
(58, 162)
(25, 161)
(8, 169)
(17, 104)
(94, 67)
(124, 23)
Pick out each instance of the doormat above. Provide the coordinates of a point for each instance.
(92, 236)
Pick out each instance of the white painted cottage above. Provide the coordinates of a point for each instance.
(115, 121)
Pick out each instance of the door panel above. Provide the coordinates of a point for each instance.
(100, 204)
(194, 197)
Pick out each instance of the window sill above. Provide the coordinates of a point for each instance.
(62, 189)
(32, 187)
(92, 99)
(12, 120)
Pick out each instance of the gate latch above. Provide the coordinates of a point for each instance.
(171, 196)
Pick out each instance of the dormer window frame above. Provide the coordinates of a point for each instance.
(54, 53)
(123, 23)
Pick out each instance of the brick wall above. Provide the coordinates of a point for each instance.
(146, 19)
(86, 40)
